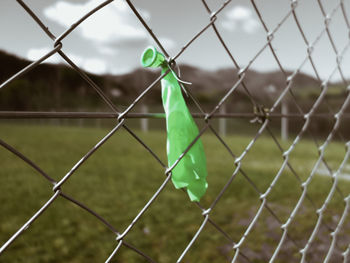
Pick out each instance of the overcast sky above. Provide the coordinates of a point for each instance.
(112, 40)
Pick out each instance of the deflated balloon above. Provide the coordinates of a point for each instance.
(191, 171)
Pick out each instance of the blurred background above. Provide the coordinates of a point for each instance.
(120, 177)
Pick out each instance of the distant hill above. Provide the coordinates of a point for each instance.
(58, 87)
(47, 87)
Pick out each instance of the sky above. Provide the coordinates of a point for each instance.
(112, 40)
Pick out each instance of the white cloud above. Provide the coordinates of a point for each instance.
(167, 43)
(110, 25)
(107, 50)
(229, 25)
(240, 17)
(36, 53)
(239, 13)
(92, 65)
(114, 31)
(95, 65)
(250, 26)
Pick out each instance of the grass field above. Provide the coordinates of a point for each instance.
(121, 176)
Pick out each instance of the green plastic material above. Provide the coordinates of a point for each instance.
(191, 171)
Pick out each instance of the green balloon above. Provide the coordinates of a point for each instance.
(191, 171)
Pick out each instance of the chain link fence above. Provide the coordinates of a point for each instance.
(261, 115)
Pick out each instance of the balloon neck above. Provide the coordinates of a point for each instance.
(152, 58)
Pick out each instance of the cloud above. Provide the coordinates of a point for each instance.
(92, 65)
(240, 17)
(107, 50)
(239, 13)
(95, 65)
(111, 25)
(167, 43)
(36, 53)
(114, 32)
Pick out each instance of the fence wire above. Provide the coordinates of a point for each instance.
(262, 115)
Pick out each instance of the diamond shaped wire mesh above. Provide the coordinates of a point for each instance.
(263, 117)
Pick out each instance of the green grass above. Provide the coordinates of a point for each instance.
(121, 176)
